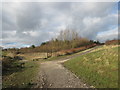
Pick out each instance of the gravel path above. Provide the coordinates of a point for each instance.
(54, 75)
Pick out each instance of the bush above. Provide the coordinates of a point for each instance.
(10, 65)
(6, 63)
(18, 58)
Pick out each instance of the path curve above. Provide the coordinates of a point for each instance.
(54, 75)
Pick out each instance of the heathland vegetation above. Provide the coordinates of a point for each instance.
(66, 40)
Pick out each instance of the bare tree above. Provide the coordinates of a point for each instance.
(67, 34)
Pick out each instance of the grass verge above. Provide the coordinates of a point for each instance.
(66, 56)
(23, 78)
(98, 68)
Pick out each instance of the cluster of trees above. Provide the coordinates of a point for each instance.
(67, 39)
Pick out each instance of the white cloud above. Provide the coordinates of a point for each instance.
(108, 35)
(91, 21)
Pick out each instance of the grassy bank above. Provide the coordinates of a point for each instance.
(69, 55)
(22, 78)
(98, 68)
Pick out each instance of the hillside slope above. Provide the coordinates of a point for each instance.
(99, 68)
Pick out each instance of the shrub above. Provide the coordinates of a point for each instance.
(6, 63)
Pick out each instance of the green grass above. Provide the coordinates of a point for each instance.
(98, 68)
(56, 58)
(21, 78)
(3, 53)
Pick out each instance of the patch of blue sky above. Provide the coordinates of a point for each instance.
(109, 31)
(19, 45)
(25, 45)
(115, 8)
(111, 28)
(119, 5)
(11, 43)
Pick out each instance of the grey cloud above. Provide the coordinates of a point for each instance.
(7, 21)
(28, 17)
(43, 21)
(8, 18)
(94, 10)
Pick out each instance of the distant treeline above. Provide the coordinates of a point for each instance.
(112, 42)
(67, 39)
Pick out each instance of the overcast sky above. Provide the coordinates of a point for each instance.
(27, 23)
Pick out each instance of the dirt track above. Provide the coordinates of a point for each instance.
(54, 75)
